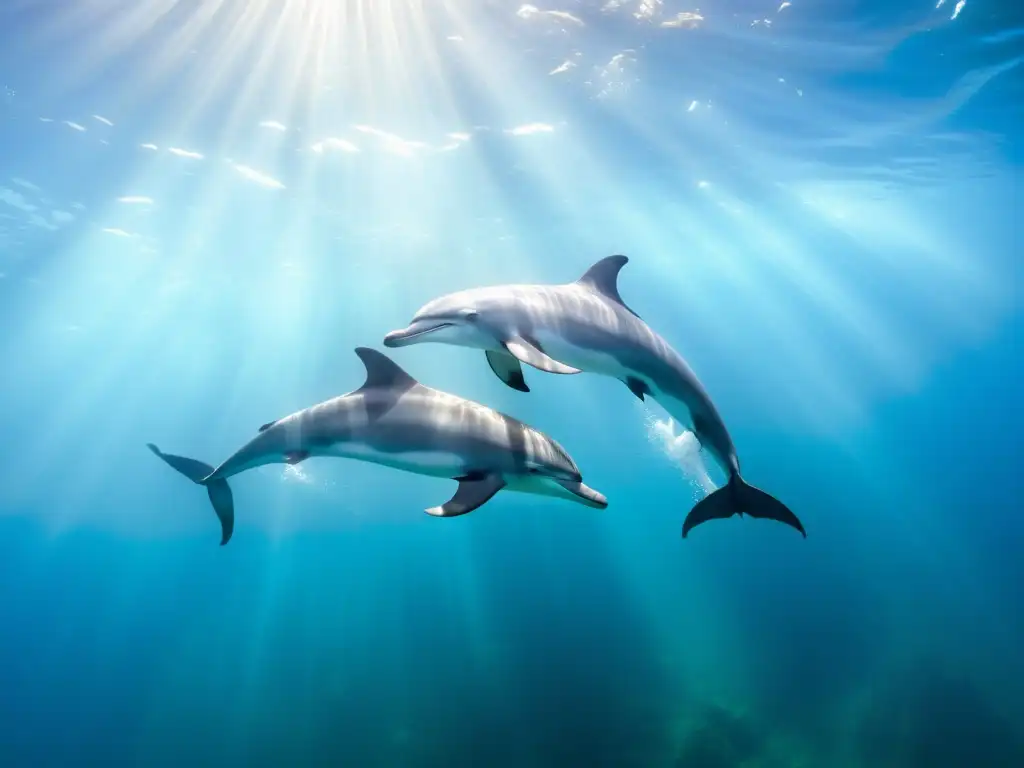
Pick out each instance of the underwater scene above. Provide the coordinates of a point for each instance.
(442, 383)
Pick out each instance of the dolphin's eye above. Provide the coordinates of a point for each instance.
(470, 315)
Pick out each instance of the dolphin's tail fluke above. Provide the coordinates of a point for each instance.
(738, 497)
(218, 489)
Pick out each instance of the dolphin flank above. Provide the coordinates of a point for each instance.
(395, 421)
(586, 326)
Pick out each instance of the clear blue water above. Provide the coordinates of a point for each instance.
(206, 205)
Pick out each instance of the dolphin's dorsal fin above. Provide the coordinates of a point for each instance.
(603, 278)
(382, 372)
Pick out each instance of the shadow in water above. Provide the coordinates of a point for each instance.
(721, 739)
(940, 721)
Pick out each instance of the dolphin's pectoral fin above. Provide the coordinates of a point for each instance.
(294, 457)
(474, 491)
(508, 369)
(637, 387)
(528, 352)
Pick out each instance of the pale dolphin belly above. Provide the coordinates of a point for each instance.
(597, 361)
(421, 462)
(585, 358)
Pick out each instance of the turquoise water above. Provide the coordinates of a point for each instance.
(206, 205)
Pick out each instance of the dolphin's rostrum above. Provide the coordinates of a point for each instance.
(586, 326)
(396, 421)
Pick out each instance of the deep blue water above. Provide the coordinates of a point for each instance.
(205, 206)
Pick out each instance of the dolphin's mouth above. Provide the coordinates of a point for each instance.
(406, 335)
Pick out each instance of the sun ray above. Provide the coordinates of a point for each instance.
(414, 129)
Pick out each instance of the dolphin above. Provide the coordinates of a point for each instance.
(396, 421)
(586, 326)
